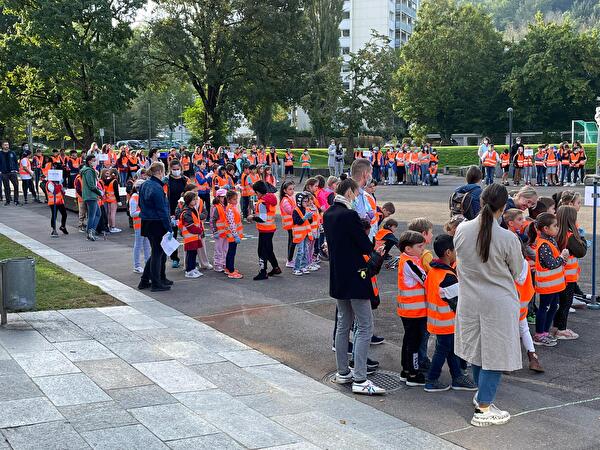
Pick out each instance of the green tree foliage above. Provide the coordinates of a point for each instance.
(555, 75)
(71, 60)
(451, 75)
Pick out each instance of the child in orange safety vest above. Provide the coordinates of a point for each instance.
(192, 230)
(56, 202)
(301, 230)
(234, 233)
(140, 242)
(249, 177)
(218, 225)
(385, 237)
(441, 291)
(412, 307)
(264, 216)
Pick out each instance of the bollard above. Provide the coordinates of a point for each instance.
(594, 305)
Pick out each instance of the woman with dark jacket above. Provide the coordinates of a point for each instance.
(350, 284)
(156, 222)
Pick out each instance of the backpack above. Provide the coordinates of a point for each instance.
(460, 203)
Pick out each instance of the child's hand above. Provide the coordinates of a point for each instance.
(565, 254)
(237, 240)
(250, 217)
(308, 216)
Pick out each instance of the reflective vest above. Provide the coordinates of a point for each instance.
(314, 221)
(551, 159)
(440, 317)
(133, 163)
(540, 158)
(358, 154)
(582, 158)
(262, 158)
(548, 281)
(380, 235)
(564, 157)
(373, 280)
(574, 159)
(217, 182)
(526, 292)
(197, 157)
(572, 269)
(305, 158)
(490, 158)
(400, 157)
(505, 159)
(78, 187)
(289, 160)
(222, 228)
(202, 186)
(528, 162)
(433, 157)
(413, 158)
(300, 232)
(272, 158)
(424, 158)
(252, 159)
(38, 161)
(390, 157)
(287, 220)
(411, 300)
(188, 236)
(237, 219)
(25, 171)
(520, 160)
(433, 169)
(247, 181)
(109, 192)
(268, 226)
(137, 221)
(55, 198)
(185, 163)
(373, 205)
(75, 162)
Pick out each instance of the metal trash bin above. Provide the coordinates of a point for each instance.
(17, 284)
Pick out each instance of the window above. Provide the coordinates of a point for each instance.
(345, 14)
(391, 34)
(345, 33)
(345, 50)
(345, 68)
(346, 85)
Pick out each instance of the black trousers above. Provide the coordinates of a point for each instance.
(265, 251)
(27, 185)
(291, 246)
(244, 203)
(7, 180)
(565, 300)
(154, 270)
(55, 209)
(413, 335)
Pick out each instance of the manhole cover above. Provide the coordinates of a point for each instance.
(386, 379)
(84, 250)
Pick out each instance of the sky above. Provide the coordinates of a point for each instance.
(144, 13)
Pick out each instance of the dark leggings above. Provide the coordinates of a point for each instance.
(230, 257)
(206, 200)
(546, 312)
(190, 260)
(291, 246)
(565, 300)
(414, 329)
(63, 215)
(265, 251)
(27, 185)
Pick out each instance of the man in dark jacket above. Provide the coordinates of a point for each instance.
(8, 172)
(350, 284)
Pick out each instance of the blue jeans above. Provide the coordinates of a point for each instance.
(301, 255)
(414, 174)
(93, 212)
(489, 175)
(444, 351)
(376, 173)
(140, 243)
(424, 173)
(540, 175)
(487, 383)
(123, 178)
(546, 312)
(230, 257)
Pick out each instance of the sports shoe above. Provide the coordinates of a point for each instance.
(350, 348)
(493, 416)
(542, 339)
(376, 340)
(175, 264)
(91, 235)
(290, 264)
(415, 380)
(209, 266)
(305, 270)
(262, 275)
(531, 319)
(372, 365)
(578, 303)
(298, 272)
(138, 270)
(342, 379)
(81, 229)
(435, 386)
(367, 388)
(193, 274)
(475, 402)
(463, 383)
(219, 269)
(275, 271)
(235, 275)
(53, 234)
(566, 335)
(571, 310)
(403, 375)
(115, 230)
(313, 268)
(551, 337)
(64, 230)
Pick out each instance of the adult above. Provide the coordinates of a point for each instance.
(514, 148)
(483, 148)
(156, 222)
(360, 171)
(487, 318)
(340, 154)
(331, 150)
(350, 285)
(524, 199)
(90, 193)
(273, 162)
(176, 183)
(9, 167)
(473, 190)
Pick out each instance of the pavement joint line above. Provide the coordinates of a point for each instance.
(545, 384)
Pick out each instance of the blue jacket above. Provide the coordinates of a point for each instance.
(8, 162)
(475, 191)
(153, 202)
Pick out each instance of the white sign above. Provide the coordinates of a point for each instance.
(55, 175)
(528, 152)
(588, 196)
(169, 245)
(367, 154)
(101, 132)
(230, 155)
(102, 157)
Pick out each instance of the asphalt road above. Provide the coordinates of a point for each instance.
(291, 319)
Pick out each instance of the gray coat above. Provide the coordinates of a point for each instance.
(487, 317)
(331, 155)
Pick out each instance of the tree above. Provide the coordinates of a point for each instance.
(451, 75)
(71, 60)
(555, 75)
(224, 48)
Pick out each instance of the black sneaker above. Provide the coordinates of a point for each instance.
(372, 365)
(166, 282)
(64, 230)
(275, 271)
(262, 275)
(415, 380)
(160, 288)
(376, 340)
(143, 285)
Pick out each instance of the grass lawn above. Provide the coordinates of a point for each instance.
(56, 288)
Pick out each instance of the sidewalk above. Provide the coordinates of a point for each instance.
(146, 376)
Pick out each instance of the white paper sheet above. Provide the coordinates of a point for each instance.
(169, 246)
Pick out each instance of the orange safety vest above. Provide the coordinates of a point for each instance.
(520, 161)
(433, 169)
(300, 232)
(268, 226)
(185, 163)
(551, 159)
(222, 228)
(490, 158)
(505, 159)
(247, 190)
(197, 157)
(400, 158)
(262, 158)
(289, 160)
(540, 159)
(305, 160)
(564, 157)
(133, 163)
(25, 171)
(526, 292)
(574, 159)
(440, 317)
(373, 205)
(424, 158)
(572, 269)
(38, 161)
(434, 158)
(413, 158)
(109, 192)
(252, 159)
(528, 162)
(358, 154)
(137, 221)
(188, 236)
(548, 281)
(75, 162)
(237, 218)
(56, 197)
(380, 235)
(373, 279)
(582, 158)
(286, 219)
(411, 300)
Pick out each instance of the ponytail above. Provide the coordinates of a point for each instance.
(485, 232)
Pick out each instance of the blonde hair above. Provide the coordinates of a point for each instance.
(420, 225)
(526, 192)
(155, 168)
(568, 197)
(511, 214)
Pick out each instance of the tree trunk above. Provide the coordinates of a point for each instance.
(71, 133)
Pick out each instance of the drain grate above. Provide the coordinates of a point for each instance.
(83, 250)
(386, 379)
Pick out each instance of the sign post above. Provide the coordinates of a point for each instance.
(101, 132)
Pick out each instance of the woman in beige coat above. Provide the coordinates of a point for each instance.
(489, 259)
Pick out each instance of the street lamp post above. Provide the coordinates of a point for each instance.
(510, 125)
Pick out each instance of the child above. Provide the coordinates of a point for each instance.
(505, 164)
(191, 231)
(385, 237)
(388, 209)
(56, 202)
(112, 199)
(433, 174)
(248, 178)
(549, 275)
(218, 223)
(568, 238)
(528, 167)
(203, 181)
(301, 233)
(425, 228)
(514, 219)
(264, 216)
(235, 233)
(451, 226)
(140, 242)
(441, 290)
(201, 209)
(411, 304)
(287, 204)
(400, 166)
(313, 257)
(269, 179)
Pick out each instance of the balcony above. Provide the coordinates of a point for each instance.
(406, 10)
(404, 26)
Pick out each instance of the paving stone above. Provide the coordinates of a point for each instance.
(112, 311)
(297, 446)
(139, 396)
(156, 310)
(60, 330)
(288, 380)
(237, 420)
(276, 403)
(4, 443)
(411, 437)
(10, 367)
(189, 352)
(219, 342)
(40, 364)
(84, 350)
(23, 341)
(182, 322)
(41, 315)
(3, 354)
(170, 422)
(95, 416)
(72, 389)
(85, 316)
(49, 436)
(107, 284)
(139, 351)
(209, 442)
(16, 413)
(113, 373)
(232, 379)
(173, 376)
(247, 358)
(110, 332)
(133, 437)
(17, 386)
(162, 335)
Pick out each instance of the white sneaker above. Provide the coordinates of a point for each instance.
(342, 379)
(192, 274)
(115, 230)
(198, 272)
(571, 310)
(313, 268)
(290, 264)
(475, 402)
(138, 269)
(305, 270)
(219, 269)
(493, 416)
(209, 266)
(367, 388)
(297, 272)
